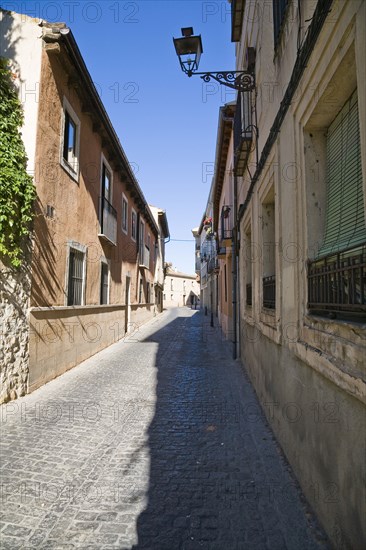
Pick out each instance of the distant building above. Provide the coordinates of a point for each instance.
(180, 289)
(159, 252)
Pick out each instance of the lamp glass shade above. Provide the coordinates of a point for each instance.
(189, 50)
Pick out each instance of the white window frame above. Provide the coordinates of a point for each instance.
(72, 170)
(79, 248)
(104, 161)
(124, 200)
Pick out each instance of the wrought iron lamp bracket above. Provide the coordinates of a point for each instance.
(243, 81)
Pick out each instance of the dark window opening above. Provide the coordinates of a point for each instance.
(76, 276)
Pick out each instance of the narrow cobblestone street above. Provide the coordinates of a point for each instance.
(157, 442)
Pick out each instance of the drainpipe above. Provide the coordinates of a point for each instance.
(234, 269)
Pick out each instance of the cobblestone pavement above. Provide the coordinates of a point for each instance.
(157, 442)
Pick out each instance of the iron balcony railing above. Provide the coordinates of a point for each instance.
(269, 292)
(108, 221)
(226, 223)
(249, 294)
(213, 265)
(244, 124)
(337, 282)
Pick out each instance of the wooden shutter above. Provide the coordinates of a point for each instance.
(345, 209)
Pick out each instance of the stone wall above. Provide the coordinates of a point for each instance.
(63, 337)
(14, 332)
(319, 427)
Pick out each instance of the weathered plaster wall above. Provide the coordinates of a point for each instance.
(62, 337)
(309, 371)
(321, 430)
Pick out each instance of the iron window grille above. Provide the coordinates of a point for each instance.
(337, 282)
(269, 292)
(76, 278)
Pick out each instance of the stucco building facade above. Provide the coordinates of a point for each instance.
(180, 289)
(294, 161)
(97, 253)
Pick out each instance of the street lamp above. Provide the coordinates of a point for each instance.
(189, 50)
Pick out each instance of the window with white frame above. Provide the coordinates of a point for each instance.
(76, 275)
(133, 224)
(70, 140)
(269, 249)
(248, 263)
(335, 271)
(124, 214)
(106, 182)
(104, 283)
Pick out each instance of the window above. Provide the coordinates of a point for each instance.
(106, 183)
(248, 265)
(225, 283)
(336, 274)
(171, 284)
(269, 250)
(345, 208)
(108, 214)
(124, 214)
(279, 12)
(147, 293)
(70, 141)
(76, 276)
(133, 224)
(104, 284)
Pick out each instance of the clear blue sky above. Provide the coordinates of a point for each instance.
(167, 122)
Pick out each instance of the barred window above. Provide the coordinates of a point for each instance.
(76, 278)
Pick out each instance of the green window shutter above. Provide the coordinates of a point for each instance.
(345, 213)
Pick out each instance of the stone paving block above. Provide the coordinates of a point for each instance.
(152, 444)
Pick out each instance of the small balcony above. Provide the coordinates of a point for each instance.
(144, 257)
(243, 129)
(108, 222)
(269, 292)
(198, 264)
(337, 283)
(237, 17)
(213, 265)
(226, 225)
